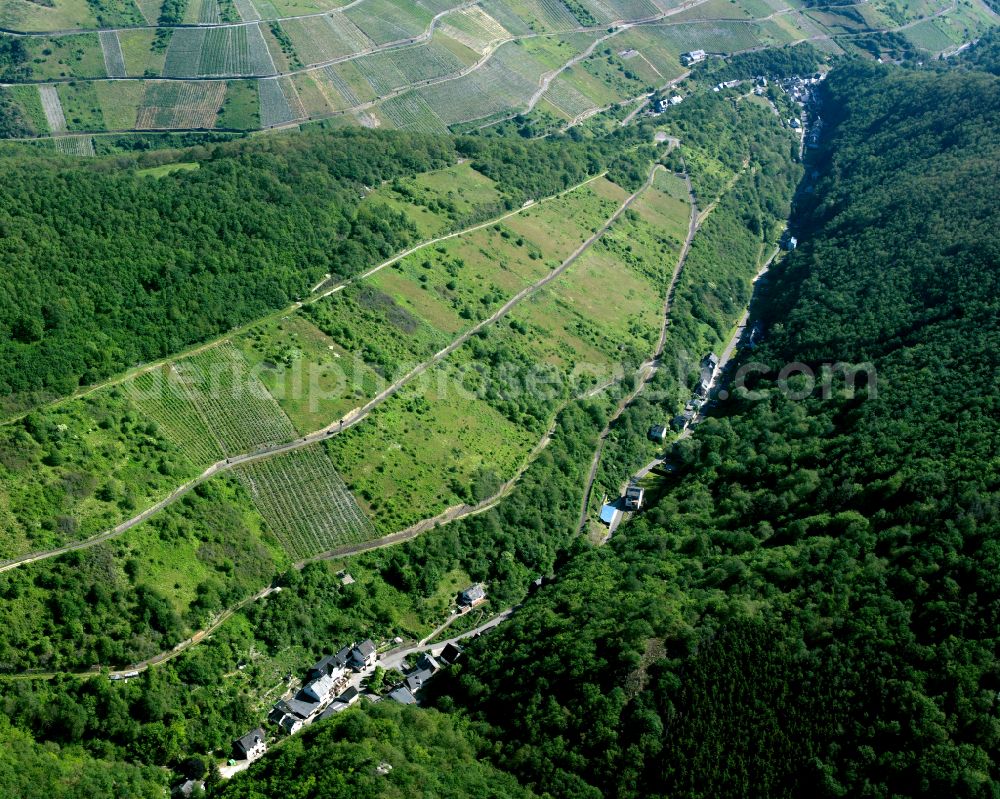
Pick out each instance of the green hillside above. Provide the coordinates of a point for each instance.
(80, 70)
(808, 606)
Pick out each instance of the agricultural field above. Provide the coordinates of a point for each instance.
(48, 97)
(241, 108)
(76, 56)
(411, 112)
(496, 87)
(232, 401)
(144, 54)
(119, 101)
(74, 470)
(25, 15)
(114, 60)
(274, 106)
(80, 106)
(79, 146)
(416, 454)
(208, 52)
(474, 28)
(161, 396)
(345, 81)
(314, 97)
(312, 378)
(928, 35)
(322, 39)
(188, 104)
(29, 101)
(723, 36)
(440, 201)
(385, 21)
(305, 502)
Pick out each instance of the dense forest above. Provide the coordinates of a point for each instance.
(105, 267)
(810, 605)
(382, 751)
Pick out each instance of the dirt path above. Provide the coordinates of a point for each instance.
(351, 419)
(156, 660)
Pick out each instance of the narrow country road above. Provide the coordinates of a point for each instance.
(646, 370)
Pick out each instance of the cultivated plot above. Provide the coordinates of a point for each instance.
(305, 502)
(416, 455)
(234, 404)
(274, 106)
(114, 60)
(180, 104)
(53, 109)
(160, 395)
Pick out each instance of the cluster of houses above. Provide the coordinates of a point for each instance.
(328, 691)
(709, 365)
(427, 666)
(331, 690)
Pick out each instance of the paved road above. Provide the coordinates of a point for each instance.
(355, 416)
(395, 657)
(724, 360)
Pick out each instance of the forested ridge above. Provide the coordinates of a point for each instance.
(810, 606)
(104, 267)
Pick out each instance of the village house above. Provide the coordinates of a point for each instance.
(403, 696)
(363, 656)
(250, 746)
(633, 497)
(321, 688)
(450, 654)
(472, 596)
(693, 57)
(657, 433)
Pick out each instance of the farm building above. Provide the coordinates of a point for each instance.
(693, 57)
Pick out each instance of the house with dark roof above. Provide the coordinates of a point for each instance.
(429, 662)
(325, 665)
(451, 653)
(363, 655)
(657, 433)
(403, 696)
(301, 705)
(250, 746)
(416, 679)
(343, 657)
(291, 724)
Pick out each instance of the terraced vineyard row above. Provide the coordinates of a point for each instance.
(236, 405)
(160, 395)
(305, 502)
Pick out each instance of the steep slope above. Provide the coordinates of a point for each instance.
(810, 607)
